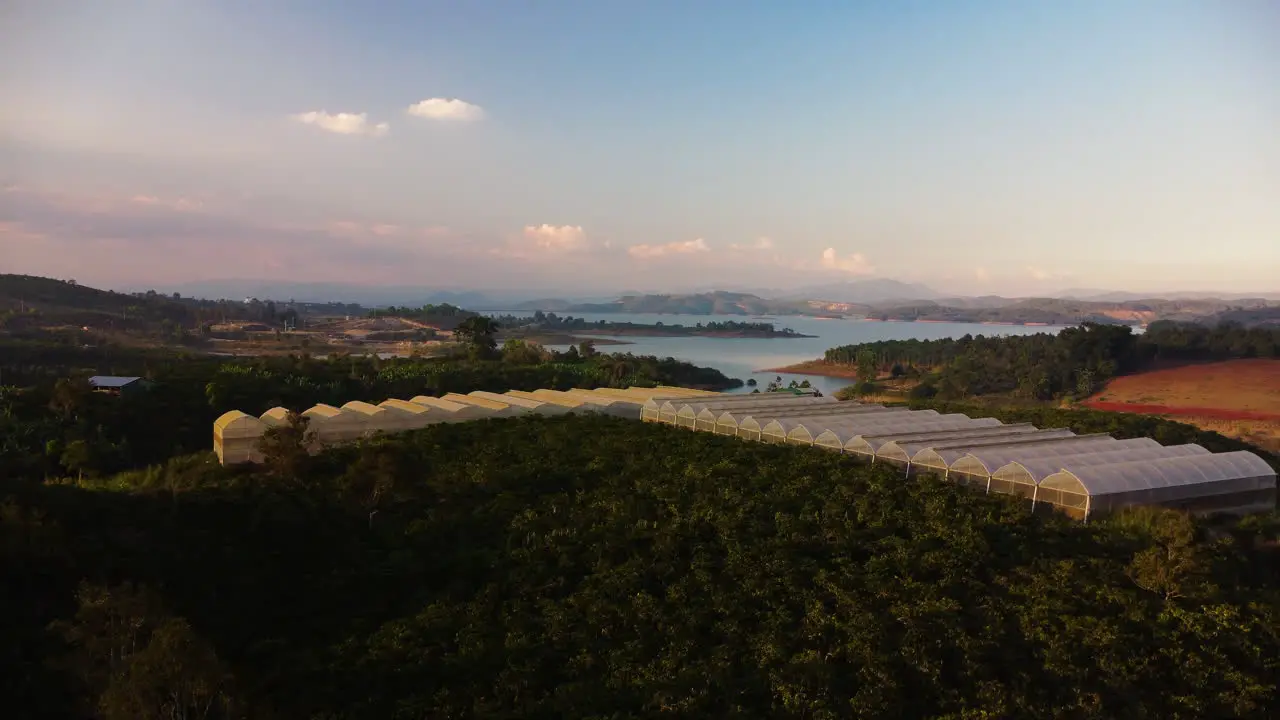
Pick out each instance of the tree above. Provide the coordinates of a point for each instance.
(477, 333)
(866, 363)
(285, 448)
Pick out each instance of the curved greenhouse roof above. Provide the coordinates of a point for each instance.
(451, 411)
(669, 410)
(687, 412)
(409, 416)
(1019, 477)
(868, 443)
(940, 459)
(900, 452)
(752, 426)
(332, 424)
(1235, 479)
(275, 417)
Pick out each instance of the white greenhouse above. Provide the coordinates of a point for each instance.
(1020, 477)
(938, 459)
(868, 445)
(974, 467)
(901, 452)
(333, 425)
(236, 436)
(452, 411)
(1236, 482)
(409, 416)
(687, 413)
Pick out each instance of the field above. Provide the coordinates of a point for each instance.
(1240, 398)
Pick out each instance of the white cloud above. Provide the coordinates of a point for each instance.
(761, 244)
(446, 109)
(981, 274)
(855, 263)
(343, 123)
(673, 248)
(1038, 274)
(556, 237)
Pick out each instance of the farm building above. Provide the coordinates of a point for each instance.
(867, 444)
(1224, 482)
(114, 385)
(375, 418)
(497, 408)
(839, 435)
(275, 417)
(236, 436)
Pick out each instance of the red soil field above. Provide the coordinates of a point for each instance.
(1236, 389)
(1239, 398)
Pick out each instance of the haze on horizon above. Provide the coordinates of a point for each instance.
(995, 147)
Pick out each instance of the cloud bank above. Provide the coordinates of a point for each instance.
(556, 237)
(854, 263)
(673, 248)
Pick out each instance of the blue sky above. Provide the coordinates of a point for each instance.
(981, 147)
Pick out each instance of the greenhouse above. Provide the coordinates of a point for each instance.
(236, 436)
(938, 460)
(376, 419)
(275, 417)
(1236, 482)
(901, 452)
(536, 407)
(615, 406)
(409, 416)
(496, 408)
(752, 426)
(816, 411)
(975, 466)
(452, 411)
(1022, 476)
(334, 425)
(874, 416)
(729, 422)
(687, 412)
(867, 444)
(669, 409)
(805, 427)
(835, 435)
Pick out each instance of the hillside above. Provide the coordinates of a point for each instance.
(712, 303)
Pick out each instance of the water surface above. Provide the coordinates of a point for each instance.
(750, 357)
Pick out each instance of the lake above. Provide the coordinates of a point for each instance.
(747, 357)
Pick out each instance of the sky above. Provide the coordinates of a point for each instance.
(1005, 147)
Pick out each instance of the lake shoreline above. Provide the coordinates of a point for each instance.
(821, 368)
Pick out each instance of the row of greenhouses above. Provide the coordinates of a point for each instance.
(1081, 475)
(236, 434)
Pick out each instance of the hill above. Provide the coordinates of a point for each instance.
(712, 303)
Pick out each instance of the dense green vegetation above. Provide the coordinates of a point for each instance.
(550, 322)
(1073, 362)
(51, 423)
(588, 567)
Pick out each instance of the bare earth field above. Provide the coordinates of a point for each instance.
(1239, 398)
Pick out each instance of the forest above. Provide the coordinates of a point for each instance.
(602, 568)
(1043, 366)
(52, 423)
(541, 321)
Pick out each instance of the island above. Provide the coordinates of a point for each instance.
(549, 328)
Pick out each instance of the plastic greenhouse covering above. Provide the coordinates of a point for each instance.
(1021, 476)
(1234, 479)
(687, 413)
(900, 452)
(940, 459)
(838, 436)
(708, 419)
(753, 427)
(869, 443)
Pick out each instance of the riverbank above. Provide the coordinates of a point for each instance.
(821, 368)
(542, 338)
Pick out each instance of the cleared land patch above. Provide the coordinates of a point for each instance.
(1240, 398)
